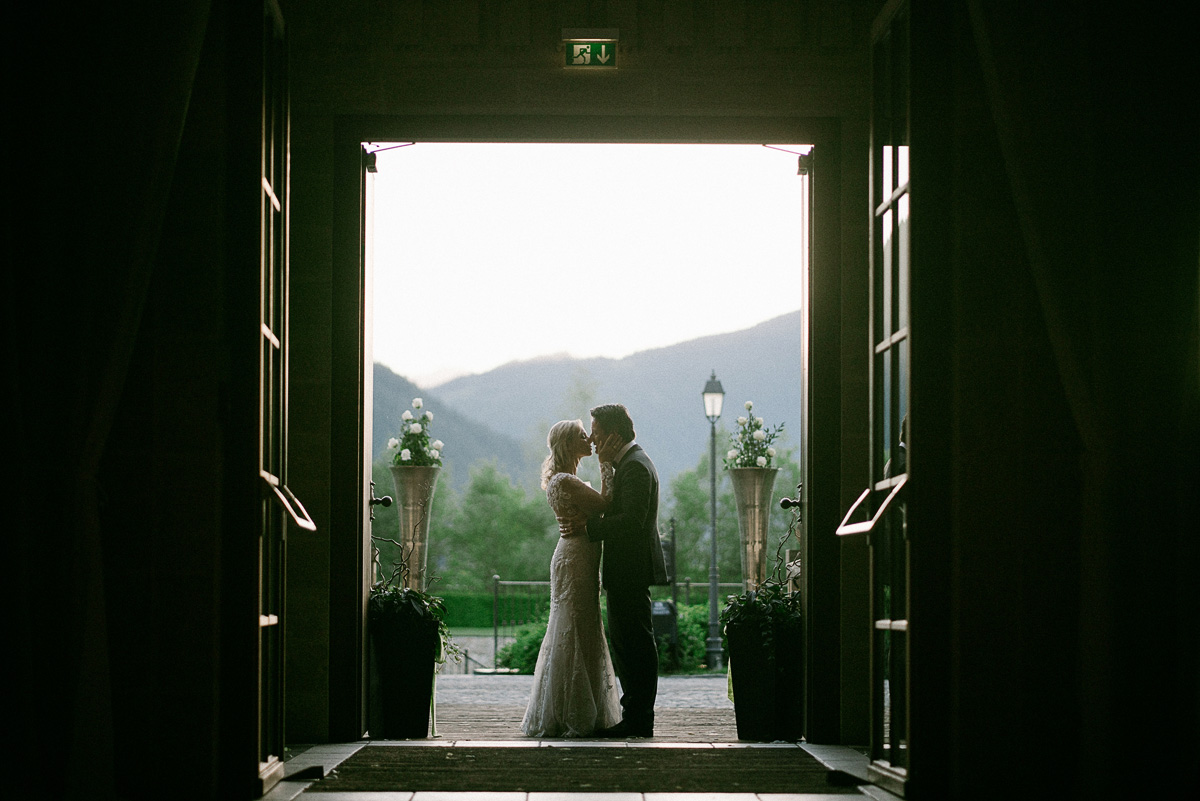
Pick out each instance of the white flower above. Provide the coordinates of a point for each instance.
(733, 454)
(761, 421)
(771, 452)
(415, 428)
(407, 415)
(759, 435)
(433, 453)
(405, 455)
(749, 405)
(429, 415)
(761, 461)
(742, 421)
(438, 445)
(393, 442)
(418, 403)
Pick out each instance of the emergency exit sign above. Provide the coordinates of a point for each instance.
(590, 48)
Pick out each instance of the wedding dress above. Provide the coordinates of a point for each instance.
(574, 685)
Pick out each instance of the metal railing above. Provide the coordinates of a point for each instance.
(723, 589)
(515, 603)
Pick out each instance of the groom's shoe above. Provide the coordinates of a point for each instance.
(626, 729)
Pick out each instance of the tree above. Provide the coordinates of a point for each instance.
(496, 529)
(688, 503)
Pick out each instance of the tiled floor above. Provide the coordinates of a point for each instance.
(329, 756)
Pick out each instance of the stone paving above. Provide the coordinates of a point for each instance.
(690, 709)
(674, 692)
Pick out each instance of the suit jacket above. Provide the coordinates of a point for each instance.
(633, 557)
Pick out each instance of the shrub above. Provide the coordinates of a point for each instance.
(693, 637)
(468, 609)
(522, 653)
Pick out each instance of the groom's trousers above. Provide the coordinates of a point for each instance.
(635, 656)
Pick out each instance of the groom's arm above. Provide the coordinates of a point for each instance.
(624, 519)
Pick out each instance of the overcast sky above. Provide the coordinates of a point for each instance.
(489, 253)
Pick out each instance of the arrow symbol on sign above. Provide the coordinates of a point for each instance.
(603, 57)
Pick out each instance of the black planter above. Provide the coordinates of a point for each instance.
(768, 688)
(402, 662)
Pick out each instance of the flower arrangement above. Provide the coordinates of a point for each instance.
(752, 441)
(414, 449)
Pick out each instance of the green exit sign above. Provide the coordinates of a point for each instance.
(594, 48)
(591, 54)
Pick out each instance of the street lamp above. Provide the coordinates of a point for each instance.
(714, 397)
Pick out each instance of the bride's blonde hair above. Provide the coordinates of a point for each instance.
(559, 441)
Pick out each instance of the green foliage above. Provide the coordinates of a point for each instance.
(391, 603)
(692, 623)
(687, 501)
(490, 528)
(468, 609)
(773, 609)
(522, 653)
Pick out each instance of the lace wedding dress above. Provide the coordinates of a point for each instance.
(574, 685)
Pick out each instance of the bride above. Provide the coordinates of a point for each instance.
(574, 686)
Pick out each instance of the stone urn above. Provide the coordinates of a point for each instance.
(414, 501)
(752, 493)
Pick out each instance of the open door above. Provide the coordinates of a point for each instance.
(280, 508)
(880, 513)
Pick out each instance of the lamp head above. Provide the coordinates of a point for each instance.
(714, 398)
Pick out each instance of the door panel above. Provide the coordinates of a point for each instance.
(280, 507)
(880, 513)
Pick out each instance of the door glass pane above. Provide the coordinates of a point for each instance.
(886, 274)
(902, 258)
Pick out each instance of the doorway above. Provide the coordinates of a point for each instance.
(350, 481)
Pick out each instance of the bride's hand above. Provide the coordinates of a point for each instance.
(607, 451)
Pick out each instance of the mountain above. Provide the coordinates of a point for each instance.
(660, 387)
(467, 441)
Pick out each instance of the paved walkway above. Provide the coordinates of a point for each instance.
(704, 691)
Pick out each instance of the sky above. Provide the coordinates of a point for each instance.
(489, 253)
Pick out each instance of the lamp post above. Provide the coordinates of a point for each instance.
(714, 397)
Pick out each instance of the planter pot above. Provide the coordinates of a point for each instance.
(414, 501)
(752, 493)
(768, 683)
(403, 651)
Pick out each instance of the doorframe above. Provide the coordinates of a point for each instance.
(822, 465)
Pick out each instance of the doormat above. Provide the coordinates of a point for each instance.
(582, 769)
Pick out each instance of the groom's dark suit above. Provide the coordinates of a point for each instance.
(633, 560)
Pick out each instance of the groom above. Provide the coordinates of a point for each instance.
(633, 560)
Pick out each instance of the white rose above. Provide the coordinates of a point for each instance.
(760, 435)
(393, 442)
(437, 445)
(731, 455)
(415, 428)
(761, 421)
(407, 415)
(761, 461)
(418, 403)
(433, 454)
(405, 455)
(429, 416)
(742, 421)
(771, 452)
(749, 405)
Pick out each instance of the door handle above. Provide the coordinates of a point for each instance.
(385, 501)
(788, 503)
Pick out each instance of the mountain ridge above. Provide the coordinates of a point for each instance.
(512, 406)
